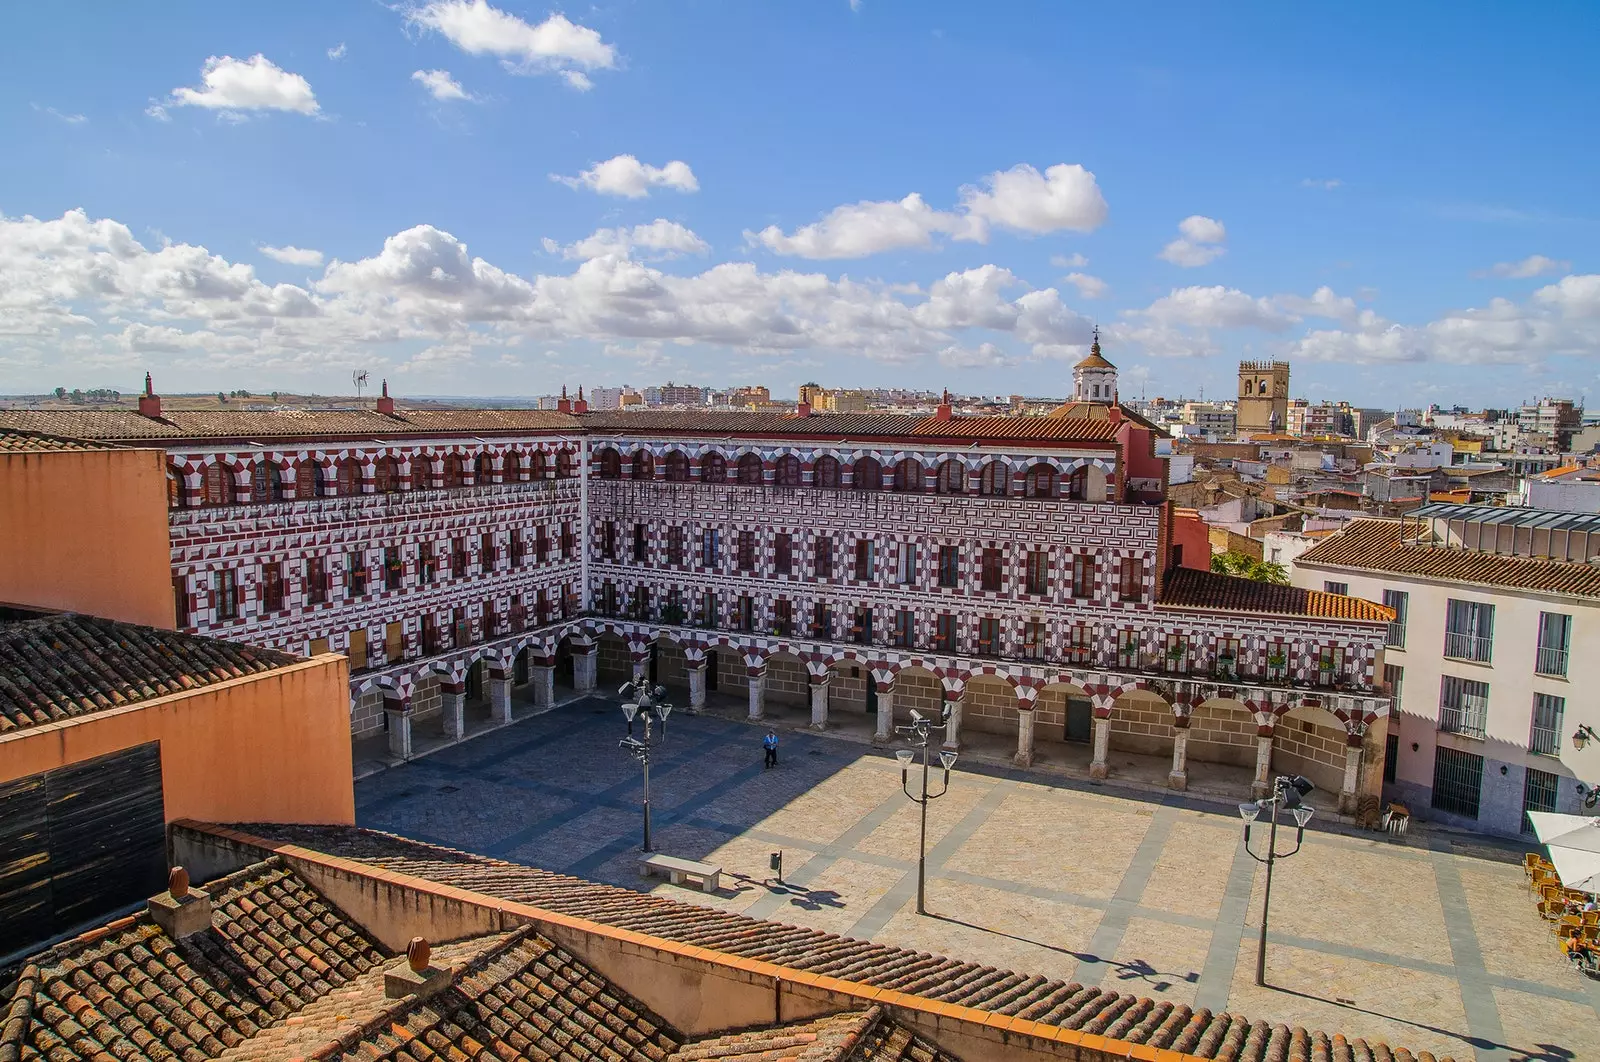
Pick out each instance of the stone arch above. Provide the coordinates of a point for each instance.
(676, 466)
(1222, 730)
(1311, 740)
(608, 463)
(713, 467)
(788, 677)
(867, 474)
(750, 471)
(786, 472)
(826, 472)
(615, 663)
(918, 686)
(1141, 721)
(995, 479)
(643, 465)
(952, 478)
(1064, 712)
(990, 705)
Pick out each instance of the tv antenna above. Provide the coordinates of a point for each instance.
(359, 378)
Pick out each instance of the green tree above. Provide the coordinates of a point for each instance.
(1245, 566)
(61, 392)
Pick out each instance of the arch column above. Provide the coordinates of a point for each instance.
(584, 668)
(1353, 748)
(885, 729)
(758, 691)
(542, 680)
(1024, 756)
(454, 696)
(1261, 786)
(697, 684)
(499, 695)
(952, 731)
(398, 713)
(1178, 777)
(1099, 767)
(819, 700)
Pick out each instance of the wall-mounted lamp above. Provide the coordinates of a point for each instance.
(1583, 735)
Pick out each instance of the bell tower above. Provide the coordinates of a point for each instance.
(1094, 379)
(1263, 396)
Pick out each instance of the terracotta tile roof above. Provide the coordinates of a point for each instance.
(12, 441)
(1192, 588)
(60, 665)
(87, 423)
(855, 1036)
(855, 426)
(252, 424)
(130, 992)
(1120, 1016)
(1374, 545)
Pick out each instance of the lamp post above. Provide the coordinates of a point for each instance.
(916, 733)
(1287, 793)
(649, 706)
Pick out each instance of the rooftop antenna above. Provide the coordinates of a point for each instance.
(359, 378)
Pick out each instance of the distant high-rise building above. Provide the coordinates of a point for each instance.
(1263, 396)
(672, 394)
(606, 397)
(809, 393)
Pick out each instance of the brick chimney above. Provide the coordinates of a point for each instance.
(944, 412)
(580, 406)
(564, 405)
(802, 409)
(149, 402)
(385, 403)
(180, 911)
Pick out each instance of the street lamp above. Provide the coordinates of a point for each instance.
(1286, 794)
(1583, 735)
(649, 706)
(916, 733)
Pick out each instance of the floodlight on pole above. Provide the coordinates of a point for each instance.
(1287, 794)
(917, 734)
(650, 708)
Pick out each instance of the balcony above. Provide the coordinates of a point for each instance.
(1551, 662)
(1395, 637)
(1472, 647)
(1466, 719)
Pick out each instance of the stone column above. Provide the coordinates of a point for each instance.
(1348, 797)
(952, 729)
(885, 729)
(500, 698)
(399, 728)
(542, 682)
(697, 685)
(454, 710)
(1024, 756)
(641, 669)
(758, 692)
(1099, 769)
(819, 702)
(1262, 786)
(1178, 778)
(584, 667)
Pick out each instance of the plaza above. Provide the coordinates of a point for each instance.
(1425, 942)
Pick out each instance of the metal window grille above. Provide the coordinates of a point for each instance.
(1469, 631)
(1034, 640)
(988, 636)
(1400, 601)
(1457, 782)
(1038, 572)
(949, 566)
(1331, 587)
(1555, 633)
(1538, 794)
(1545, 737)
(1463, 706)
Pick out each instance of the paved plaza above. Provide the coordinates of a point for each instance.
(1423, 943)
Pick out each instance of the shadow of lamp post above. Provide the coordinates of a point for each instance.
(916, 733)
(649, 706)
(1287, 794)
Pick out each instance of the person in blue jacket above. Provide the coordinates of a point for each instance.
(770, 744)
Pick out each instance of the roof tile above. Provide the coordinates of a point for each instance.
(1193, 588)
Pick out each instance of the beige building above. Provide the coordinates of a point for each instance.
(1263, 396)
(843, 401)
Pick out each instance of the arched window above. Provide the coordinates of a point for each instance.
(868, 475)
(218, 484)
(713, 468)
(537, 466)
(175, 491)
(996, 480)
(306, 480)
(386, 475)
(610, 464)
(952, 478)
(266, 481)
(750, 470)
(1041, 481)
(421, 472)
(644, 465)
(483, 470)
(349, 477)
(455, 471)
(677, 466)
(1078, 483)
(908, 476)
(564, 464)
(787, 472)
(826, 472)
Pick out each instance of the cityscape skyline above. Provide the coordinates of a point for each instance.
(526, 199)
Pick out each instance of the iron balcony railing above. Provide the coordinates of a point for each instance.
(1551, 662)
(1467, 647)
(1466, 718)
(1544, 740)
(1396, 636)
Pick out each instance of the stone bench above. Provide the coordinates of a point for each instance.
(678, 871)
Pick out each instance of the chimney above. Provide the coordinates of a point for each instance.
(565, 404)
(413, 976)
(580, 406)
(803, 409)
(149, 402)
(944, 412)
(385, 403)
(181, 911)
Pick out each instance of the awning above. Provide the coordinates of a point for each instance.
(1573, 842)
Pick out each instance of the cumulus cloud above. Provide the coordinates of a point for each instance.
(337, 52)
(440, 85)
(295, 256)
(556, 45)
(1069, 261)
(626, 176)
(1199, 241)
(235, 86)
(860, 229)
(1089, 287)
(658, 239)
(983, 356)
(1021, 198)
(1535, 265)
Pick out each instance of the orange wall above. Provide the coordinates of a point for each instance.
(273, 747)
(86, 531)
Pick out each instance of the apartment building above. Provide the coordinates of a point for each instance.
(1490, 605)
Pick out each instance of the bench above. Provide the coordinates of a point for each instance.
(678, 871)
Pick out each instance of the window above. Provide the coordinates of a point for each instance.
(608, 598)
(266, 482)
(608, 540)
(747, 613)
(641, 602)
(677, 467)
(1331, 587)
(750, 470)
(541, 544)
(421, 472)
(272, 587)
(1034, 640)
(175, 489)
(566, 542)
(564, 464)
(427, 564)
(430, 636)
(355, 574)
(491, 619)
(783, 616)
(1555, 636)
(905, 569)
(995, 480)
(638, 544)
(1469, 630)
(944, 633)
(949, 566)
(1545, 737)
(217, 484)
(908, 476)
(821, 621)
(386, 475)
(1127, 648)
(537, 465)
(1463, 706)
(1177, 654)
(1394, 677)
(460, 627)
(710, 547)
(454, 471)
(866, 559)
(1079, 647)
(783, 553)
(708, 608)
(747, 551)
(787, 471)
(610, 464)
(822, 556)
(517, 548)
(1400, 601)
(904, 629)
(1041, 481)
(988, 636)
(1538, 794)
(826, 472)
(644, 466)
(868, 475)
(458, 557)
(1277, 661)
(675, 549)
(1131, 579)
(1227, 658)
(1330, 664)
(1457, 782)
(672, 609)
(991, 577)
(1082, 575)
(1038, 576)
(861, 626)
(394, 569)
(308, 480)
(713, 468)
(225, 587)
(488, 554)
(952, 478)
(316, 581)
(483, 470)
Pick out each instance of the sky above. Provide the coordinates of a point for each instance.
(499, 199)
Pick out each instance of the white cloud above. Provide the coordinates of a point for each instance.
(337, 52)
(1216, 307)
(577, 79)
(1199, 241)
(1069, 261)
(660, 239)
(626, 176)
(556, 45)
(1327, 184)
(70, 119)
(1535, 265)
(295, 256)
(860, 229)
(855, 5)
(1063, 197)
(1089, 287)
(983, 356)
(238, 85)
(440, 85)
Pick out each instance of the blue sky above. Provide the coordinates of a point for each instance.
(1402, 204)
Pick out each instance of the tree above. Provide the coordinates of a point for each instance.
(1244, 566)
(61, 392)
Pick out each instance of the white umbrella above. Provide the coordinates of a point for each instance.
(1577, 868)
(1581, 832)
